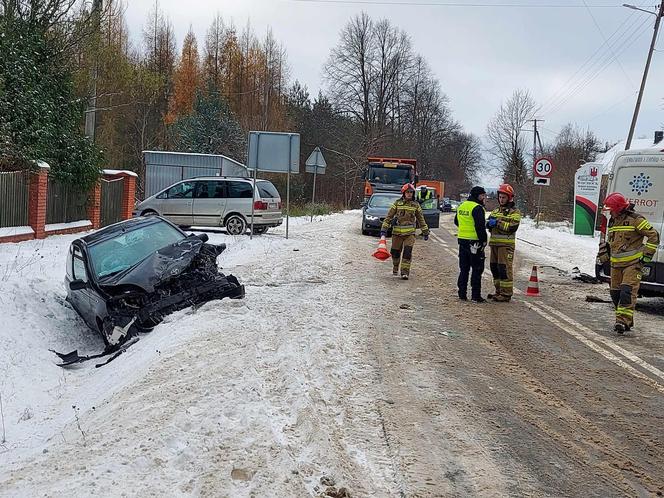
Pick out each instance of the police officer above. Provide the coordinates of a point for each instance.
(423, 194)
(472, 237)
(626, 251)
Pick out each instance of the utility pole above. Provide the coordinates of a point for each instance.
(91, 111)
(658, 15)
(535, 140)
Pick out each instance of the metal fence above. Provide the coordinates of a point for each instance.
(14, 198)
(111, 201)
(65, 203)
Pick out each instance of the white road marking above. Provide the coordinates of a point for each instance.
(588, 337)
(439, 239)
(597, 337)
(596, 347)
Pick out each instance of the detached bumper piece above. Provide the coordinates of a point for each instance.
(112, 352)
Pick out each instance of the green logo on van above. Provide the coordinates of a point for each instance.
(640, 184)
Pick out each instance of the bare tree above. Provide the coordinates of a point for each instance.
(507, 138)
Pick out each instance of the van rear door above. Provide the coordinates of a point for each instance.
(639, 176)
(269, 196)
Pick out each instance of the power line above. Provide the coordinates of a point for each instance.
(638, 33)
(461, 4)
(583, 69)
(590, 12)
(613, 106)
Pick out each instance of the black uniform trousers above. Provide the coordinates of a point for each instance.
(469, 262)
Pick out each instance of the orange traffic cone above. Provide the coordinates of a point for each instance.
(533, 284)
(382, 253)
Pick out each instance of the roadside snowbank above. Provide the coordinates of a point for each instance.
(555, 244)
(37, 396)
(257, 354)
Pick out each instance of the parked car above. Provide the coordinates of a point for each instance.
(128, 276)
(375, 210)
(454, 205)
(446, 205)
(217, 202)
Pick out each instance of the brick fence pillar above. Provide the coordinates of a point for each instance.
(94, 205)
(128, 196)
(37, 197)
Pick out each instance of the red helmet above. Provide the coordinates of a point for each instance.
(616, 202)
(406, 187)
(506, 189)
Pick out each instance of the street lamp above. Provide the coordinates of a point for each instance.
(658, 16)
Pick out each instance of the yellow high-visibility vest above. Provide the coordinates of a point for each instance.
(466, 221)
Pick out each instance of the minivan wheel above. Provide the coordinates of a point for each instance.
(235, 225)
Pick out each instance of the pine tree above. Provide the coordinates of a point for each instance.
(40, 116)
(211, 128)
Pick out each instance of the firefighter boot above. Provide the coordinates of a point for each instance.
(500, 298)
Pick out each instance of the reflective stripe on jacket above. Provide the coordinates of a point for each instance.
(404, 217)
(508, 220)
(625, 244)
(466, 221)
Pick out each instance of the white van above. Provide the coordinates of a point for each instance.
(639, 176)
(217, 202)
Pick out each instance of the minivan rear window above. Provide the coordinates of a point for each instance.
(266, 189)
(239, 190)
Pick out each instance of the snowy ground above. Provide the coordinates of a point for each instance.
(256, 381)
(555, 244)
(45, 406)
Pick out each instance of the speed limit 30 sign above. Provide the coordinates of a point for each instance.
(542, 170)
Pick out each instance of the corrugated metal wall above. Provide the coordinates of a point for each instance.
(165, 168)
(14, 198)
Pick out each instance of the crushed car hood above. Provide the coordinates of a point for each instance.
(165, 264)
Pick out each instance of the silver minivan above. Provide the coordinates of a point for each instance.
(217, 202)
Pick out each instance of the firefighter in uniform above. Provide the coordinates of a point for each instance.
(502, 224)
(404, 217)
(627, 253)
(472, 241)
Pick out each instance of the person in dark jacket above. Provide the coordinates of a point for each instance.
(471, 219)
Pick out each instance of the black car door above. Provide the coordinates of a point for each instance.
(80, 299)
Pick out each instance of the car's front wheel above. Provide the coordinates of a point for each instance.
(235, 225)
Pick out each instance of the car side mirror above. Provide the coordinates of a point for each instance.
(363, 204)
(203, 236)
(76, 285)
(417, 179)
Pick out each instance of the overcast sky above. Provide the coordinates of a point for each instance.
(480, 54)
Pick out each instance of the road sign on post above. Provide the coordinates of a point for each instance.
(274, 152)
(315, 164)
(542, 170)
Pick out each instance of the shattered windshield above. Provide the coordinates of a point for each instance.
(127, 249)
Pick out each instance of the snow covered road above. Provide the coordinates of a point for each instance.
(330, 374)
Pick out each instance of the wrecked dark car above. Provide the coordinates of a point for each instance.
(126, 277)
